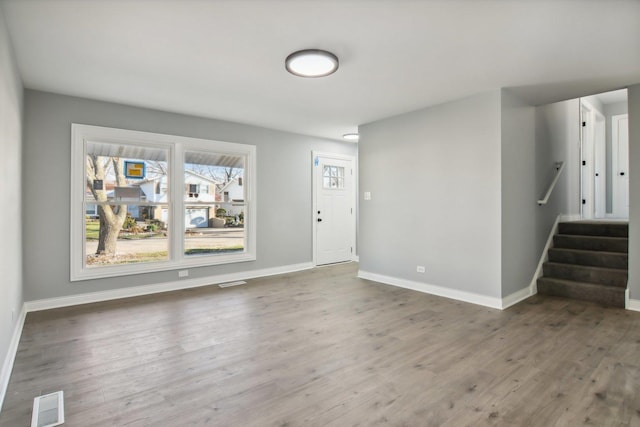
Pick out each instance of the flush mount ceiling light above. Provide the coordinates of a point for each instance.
(311, 63)
(352, 137)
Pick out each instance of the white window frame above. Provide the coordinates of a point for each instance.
(176, 147)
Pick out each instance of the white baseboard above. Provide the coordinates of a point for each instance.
(10, 357)
(433, 289)
(632, 304)
(46, 304)
(517, 296)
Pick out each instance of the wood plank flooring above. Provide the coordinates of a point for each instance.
(323, 348)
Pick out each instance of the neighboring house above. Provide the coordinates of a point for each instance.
(198, 190)
(232, 191)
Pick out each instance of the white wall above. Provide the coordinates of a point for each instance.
(634, 192)
(442, 166)
(283, 161)
(10, 198)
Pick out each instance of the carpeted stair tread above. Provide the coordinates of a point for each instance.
(588, 274)
(593, 243)
(610, 296)
(590, 258)
(594, 228)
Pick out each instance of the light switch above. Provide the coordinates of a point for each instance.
(367, 195)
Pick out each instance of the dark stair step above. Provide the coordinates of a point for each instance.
(581, 273)
(591, 258)
(610, 296)
(594, 228)
(591, 243)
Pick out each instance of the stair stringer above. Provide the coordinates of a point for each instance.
(544, 257)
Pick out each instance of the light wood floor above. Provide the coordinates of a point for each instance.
(323, 348)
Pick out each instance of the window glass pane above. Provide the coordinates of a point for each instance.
(215, 208)
(126, 188)
(333, 177)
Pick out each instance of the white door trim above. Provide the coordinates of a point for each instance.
(617, 211)
(314, 197)
(592, 141)
(599, 165)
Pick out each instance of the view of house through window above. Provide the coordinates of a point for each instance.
(127, 204)
(157, 202)
(214, 210)
(124, 222)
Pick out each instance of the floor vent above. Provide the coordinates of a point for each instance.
(48, 410)
(229, 284)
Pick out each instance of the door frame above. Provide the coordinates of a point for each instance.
(314, 198)
(592, 147)
(615, 167)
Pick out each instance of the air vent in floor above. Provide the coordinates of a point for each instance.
(48, 410)
(229, 284)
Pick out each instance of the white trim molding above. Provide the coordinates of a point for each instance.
(91, 297)
(426, 288)
(455, 294)
(533, 286)
(632, 304)
(10, 357)
(517, 297)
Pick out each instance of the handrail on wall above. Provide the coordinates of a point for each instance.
(559, 169)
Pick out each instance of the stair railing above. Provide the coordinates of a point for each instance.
(559, 169)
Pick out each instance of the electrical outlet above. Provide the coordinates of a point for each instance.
(420, 269)
(183, 273)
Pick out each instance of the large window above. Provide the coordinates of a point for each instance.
(145, 202)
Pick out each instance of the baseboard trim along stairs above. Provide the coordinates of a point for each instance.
(588, 261)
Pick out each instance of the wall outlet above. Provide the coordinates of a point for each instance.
(183, 273)
(367, 195)
(420, 269)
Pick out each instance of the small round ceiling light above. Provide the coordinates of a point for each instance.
(351, 137)
(311, 63)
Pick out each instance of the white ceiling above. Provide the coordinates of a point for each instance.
(225, 59)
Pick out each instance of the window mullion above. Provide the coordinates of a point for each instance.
(177, 203)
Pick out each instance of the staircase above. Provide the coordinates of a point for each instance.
(588, 262)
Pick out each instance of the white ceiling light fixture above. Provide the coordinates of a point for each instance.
(351, 137)
(311, 63)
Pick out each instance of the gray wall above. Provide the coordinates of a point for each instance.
(284, 188)
(434, 176)
(528, 158)
(558, 126)
(10, 192)
(634, 191)
(609, 111)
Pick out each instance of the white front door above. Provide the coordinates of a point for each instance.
(620, 165)
(334, 208)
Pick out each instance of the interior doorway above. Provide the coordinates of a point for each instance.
(604, 189)
(333, 208)
(620, 165)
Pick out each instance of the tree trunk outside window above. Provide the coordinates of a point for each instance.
(111, 216)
